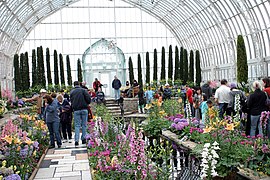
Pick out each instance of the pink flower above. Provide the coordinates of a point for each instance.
(139, 168)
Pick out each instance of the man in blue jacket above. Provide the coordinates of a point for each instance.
(116, 85)
(80, 99)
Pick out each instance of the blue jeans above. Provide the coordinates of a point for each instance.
(80, 119)
(222, 109)
(54, 130)
(255, 121)
(117, 94)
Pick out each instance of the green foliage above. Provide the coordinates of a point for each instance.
(172, 107)
(163, 71)
(140, 81)
(155, 66)
(242, 66)
(27, 76)
(48, 63)
(170, 65)
(22, 57)
(56, 74)
(102, 111)
(69, 77)
(181, 70)
(62, 75)
(0, 91)
(17, 77)
(198, 68)
(147, 68)
(40, 67)
(131, 70)
(79, 70)
(176, 64)
(191, 67)
(34, 68)
(185, 66)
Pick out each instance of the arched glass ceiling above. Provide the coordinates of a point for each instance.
(208, 25)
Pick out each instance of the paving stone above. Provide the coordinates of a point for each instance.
(67, 174)
(64, 169)
(65, 151)
(70, 161)
(74, 152)
(45, 163)
(60, 165)
(81, 167)
(81, 156)
(86, 175)
(55, 157)
(49, 179)
(50, 151)
(45, 173)
(72, 178)
(69, 157)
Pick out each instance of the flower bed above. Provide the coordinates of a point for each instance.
(23, 141)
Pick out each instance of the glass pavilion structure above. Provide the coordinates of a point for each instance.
(138, 26)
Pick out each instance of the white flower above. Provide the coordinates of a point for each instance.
(214, 174)
(216, 148)
(215, 143)
(214, 153)
(214, 162)
(203, 175)
(210, 157)
(207, 145)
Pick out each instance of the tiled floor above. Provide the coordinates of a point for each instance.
(66, 163)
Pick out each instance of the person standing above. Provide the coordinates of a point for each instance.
(96, 84)
(80, 99)
(52, 120)
(116, 85)
(222, 97)
(207, 90)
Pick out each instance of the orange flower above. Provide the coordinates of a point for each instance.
(28, 141)
(207, 130)
(18, 148)
(8, 139)
(17, 141)
(230, 127)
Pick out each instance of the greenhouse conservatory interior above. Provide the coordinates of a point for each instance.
(135, 89)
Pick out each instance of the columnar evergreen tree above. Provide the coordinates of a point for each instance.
(79, 69)
(22, 57)
(56, 74)
(181, 70)
(48, 63)
(140, 70)
(69, 77)
(17, 77)
(131, 70)
(41, 67)
(198, 68)
(176, 64)
(242, 66)
(185, 78)
(163, 71)
(170, 64)
(62, 75)
(155, 65)
(191, 67)
(34, 68)
(147, 68)
(27, 76)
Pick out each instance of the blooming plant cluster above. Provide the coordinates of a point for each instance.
(209, 160)
(3, 107)
(21, 143)
(115, 155)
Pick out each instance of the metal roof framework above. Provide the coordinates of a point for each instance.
(210, 26)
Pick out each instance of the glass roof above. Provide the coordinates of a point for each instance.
(210, 26)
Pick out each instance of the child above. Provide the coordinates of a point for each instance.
(205, 106)
(149, 95)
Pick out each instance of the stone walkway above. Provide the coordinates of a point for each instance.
(65, 163)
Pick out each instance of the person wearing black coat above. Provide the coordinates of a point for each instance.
(141, 100)
(116, 85)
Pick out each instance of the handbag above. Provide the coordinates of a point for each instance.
(267, 101)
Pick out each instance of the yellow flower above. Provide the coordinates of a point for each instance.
(114, 161)
(35, 153)
(28, 141)
(1, 177)
(237, 124)
(230, 127)
(8, 139)
(207, 130)
(17, 141)
(4, 163)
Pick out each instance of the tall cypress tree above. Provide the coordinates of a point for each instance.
(79, 69)
(176, 66)
(48, 63)
(242, 66)
(155, 65)
(17, 77)
(22, 74)
(34, 68)
(62, 75)
(27, 76)
(181, 70)
(38, 67)
(56, 74)
(185, 78)
(163, 71)
(170, 65)
(131, 70)
(147, 68)
(198, 68)
(42, 70)
(69, 77)
(140, 81)
(191, 67)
